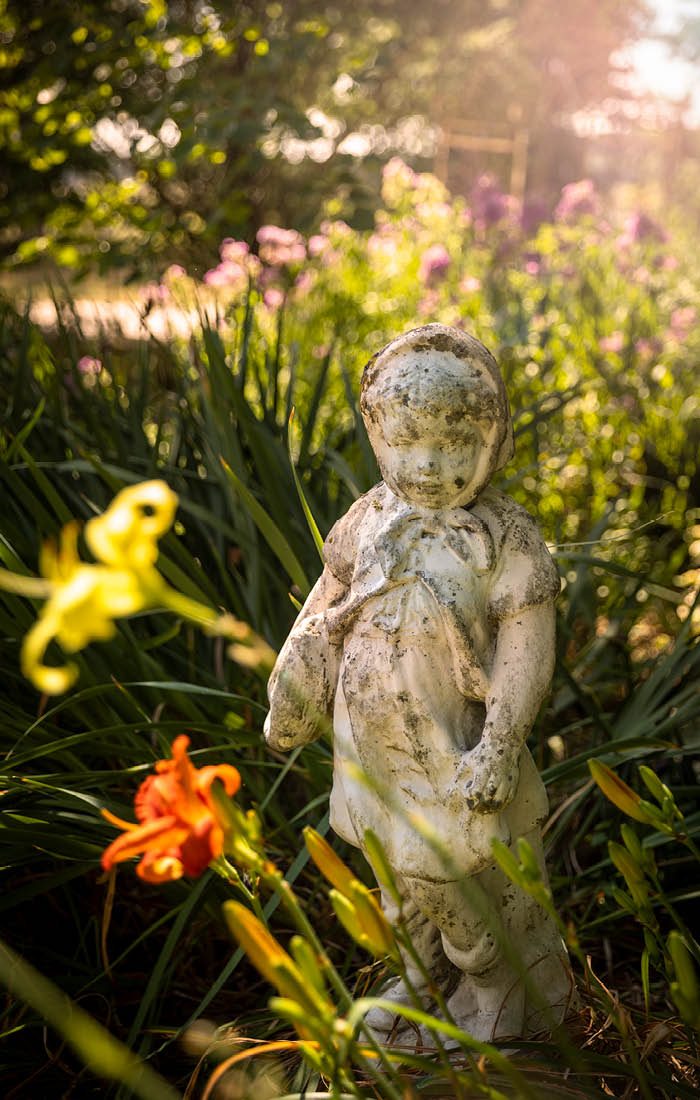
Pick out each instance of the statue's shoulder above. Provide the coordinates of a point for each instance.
(525, 574)
(340, 547)
(508, 522)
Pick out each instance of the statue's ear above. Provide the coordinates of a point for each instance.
(507, 448)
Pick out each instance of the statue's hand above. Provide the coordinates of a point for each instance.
(491, 773)
(277, 738)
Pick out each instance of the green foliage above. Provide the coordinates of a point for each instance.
(95, 1046)
(135, 132)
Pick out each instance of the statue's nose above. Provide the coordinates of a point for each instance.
(427, 462)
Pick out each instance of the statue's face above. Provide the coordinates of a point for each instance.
(434, 429)
(433, 462)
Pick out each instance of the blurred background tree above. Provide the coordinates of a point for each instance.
(138, 132)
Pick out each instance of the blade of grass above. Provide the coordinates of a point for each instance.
(313, 526)
(270, 532)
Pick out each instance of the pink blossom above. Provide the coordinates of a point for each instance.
(682, 320)
(234, 250)
(273, 297)
(641, 275)
(434, 264)
(429, 211)
(318, 244)
(428, 306)
(154, 293)
(533, 262)
(382, 244)
(227, 273)
(615, 342)
(647, 348)
(175, 271)
(303, 282)
(396, 170)
(470, 284)
(279, 247)
(320, 247)
(577, 200)
(337, 228)
(88, 365)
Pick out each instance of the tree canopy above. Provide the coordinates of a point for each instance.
(141, 131)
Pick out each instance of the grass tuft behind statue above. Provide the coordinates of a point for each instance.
(594, 327)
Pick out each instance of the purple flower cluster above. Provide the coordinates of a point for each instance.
(640, 227)
(577, 200)
(490, 205)
(434, 264)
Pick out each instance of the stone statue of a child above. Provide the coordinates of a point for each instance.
(429, 643)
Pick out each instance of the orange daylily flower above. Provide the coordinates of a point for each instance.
(178, 831)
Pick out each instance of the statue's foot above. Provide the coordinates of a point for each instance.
(462, 1005)
(391, 1028)
(487, 1012)
(555, 980)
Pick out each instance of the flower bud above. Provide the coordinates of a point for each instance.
(328, 862)
(622, 796)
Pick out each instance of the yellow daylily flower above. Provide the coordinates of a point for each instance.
(80, 610)
(83, 600)
(126, 535)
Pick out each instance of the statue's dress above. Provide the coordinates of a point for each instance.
(416, 630)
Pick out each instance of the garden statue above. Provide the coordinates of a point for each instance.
(428, 645)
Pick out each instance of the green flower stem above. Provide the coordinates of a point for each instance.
(693, 945)
(689, 843)
(37, 588)
(392, 1087)
(192, 610)
(229, 873)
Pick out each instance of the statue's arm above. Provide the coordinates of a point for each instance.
(327, 592)
(301, 688)
(521, 676)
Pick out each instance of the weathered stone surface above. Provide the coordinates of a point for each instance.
(428, 643)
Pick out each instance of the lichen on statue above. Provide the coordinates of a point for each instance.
(428, 645)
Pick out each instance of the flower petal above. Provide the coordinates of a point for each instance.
(157, 867)
(52, 681)
(229, 776)
(154, 836)
(126, 534)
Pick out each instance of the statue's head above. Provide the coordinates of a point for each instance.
(437, 416)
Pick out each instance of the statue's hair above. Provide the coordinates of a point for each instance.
(481, 375)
